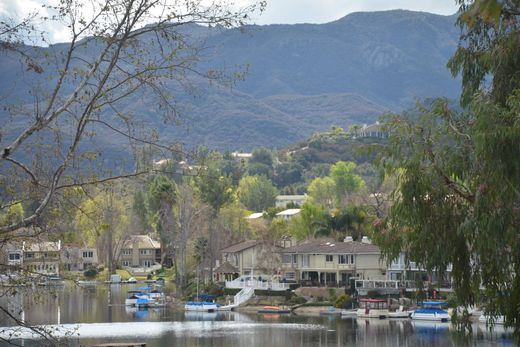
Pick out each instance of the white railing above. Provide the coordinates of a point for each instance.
(255, 284)
(369, 284)
(243, 295)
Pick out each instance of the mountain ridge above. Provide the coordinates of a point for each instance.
(302, 78)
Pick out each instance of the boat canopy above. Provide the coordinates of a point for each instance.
(434, 303)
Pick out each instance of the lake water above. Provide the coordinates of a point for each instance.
(91, 315)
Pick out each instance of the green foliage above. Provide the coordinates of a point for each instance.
(311, 222)
(489, 49)
(214, 189)
(457, 197)
(257, 193)
(321, 191)
(342, 301)
(287, 173)
(262, 156)
(90, 273)
(259, 169)
(15, 213)
(200, 249)
(162, 191)
(345, 180)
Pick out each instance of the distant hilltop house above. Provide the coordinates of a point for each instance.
(289, 213)
(241, 156)
(283, 200)
(372, 130)
(140, 251)
(35, 257)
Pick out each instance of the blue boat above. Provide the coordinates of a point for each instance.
(201, 306)
(432, 311)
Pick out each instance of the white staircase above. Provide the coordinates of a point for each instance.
(240, 298)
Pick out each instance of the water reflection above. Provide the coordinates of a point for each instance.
(104, 306)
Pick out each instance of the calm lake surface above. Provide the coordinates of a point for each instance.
(96, 314)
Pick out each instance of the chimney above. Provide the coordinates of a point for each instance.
(348, 239)
(365, 239)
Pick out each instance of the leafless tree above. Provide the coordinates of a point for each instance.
(119, 49)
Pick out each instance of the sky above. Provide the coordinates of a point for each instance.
(277, 12)
(323, 11)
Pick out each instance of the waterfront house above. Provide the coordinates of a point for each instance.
(242, 257)
(79, 258)
(409, 273)
(41, 257)
(324, 262)
(140, 251)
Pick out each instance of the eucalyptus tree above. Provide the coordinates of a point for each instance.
(161, 198)
(217, 191)
(257, 193)
(457, 199)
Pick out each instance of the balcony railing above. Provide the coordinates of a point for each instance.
(256, 284)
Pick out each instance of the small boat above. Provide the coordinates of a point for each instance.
(114, 279)
(431, 311)
(52, 282)
(201, 306)
(331, 311)
(274, 309)
(400, 313)
(486, 318)
(131, 280)
(372, 308)
(348, 313)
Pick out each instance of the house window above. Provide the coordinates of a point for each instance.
(147, 263)
(126, 263)
(329, 258)
(352, 259)
(127, 252)
(290, 275)
(29, 255)
(145, 251)
(305, 260)
(286, 258)
(88, 254)
(14, 256)
(343, 259)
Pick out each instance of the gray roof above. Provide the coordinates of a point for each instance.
(142, 241)
(331, 247)
(237, 247)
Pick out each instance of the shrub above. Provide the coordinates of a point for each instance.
(342, 301)
(90, 273)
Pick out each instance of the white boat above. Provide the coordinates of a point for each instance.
(400, 313)
(372, 308)
(201, 306)
(52, 282)
(432, 311)
(154, 297)
(485, 319)
(348, 313)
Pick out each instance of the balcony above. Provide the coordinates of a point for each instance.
(248, 282)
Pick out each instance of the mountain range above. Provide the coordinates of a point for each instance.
(303, 78)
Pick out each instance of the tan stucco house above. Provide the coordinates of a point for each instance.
(331, 263)
(139, 251)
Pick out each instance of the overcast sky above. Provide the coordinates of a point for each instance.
(277, 12)
(323, 11)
